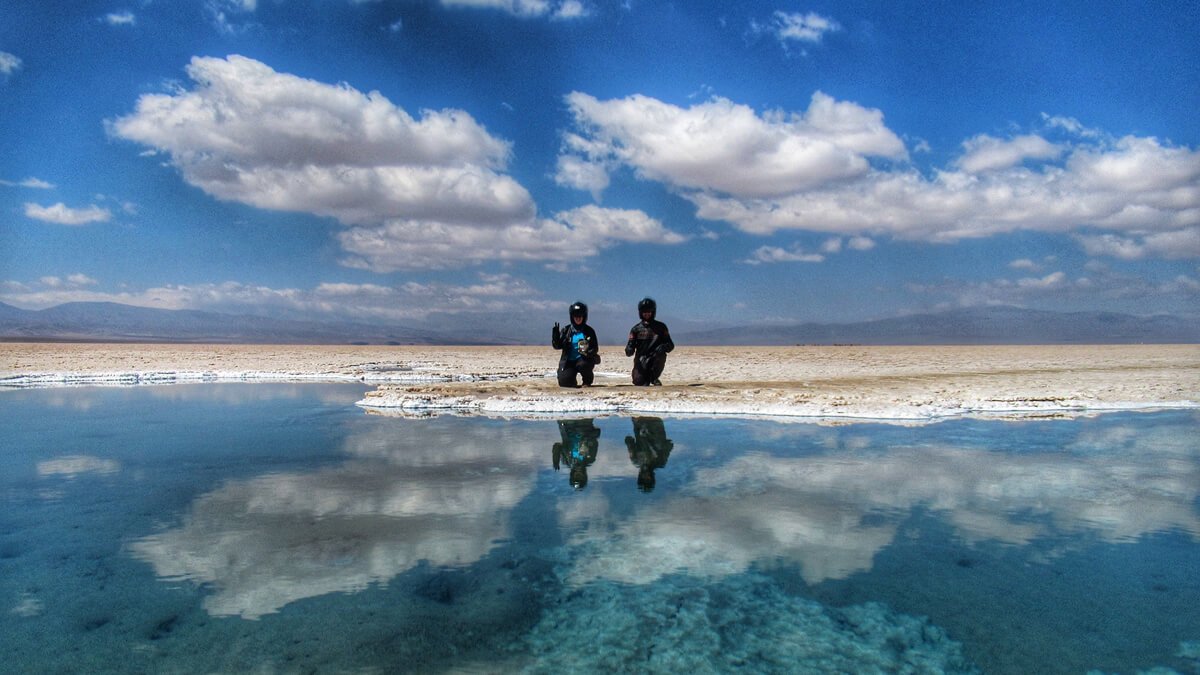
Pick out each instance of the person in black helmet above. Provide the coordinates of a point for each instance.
(649, 449)
(580, 350)
(649, 343)
(578, 448)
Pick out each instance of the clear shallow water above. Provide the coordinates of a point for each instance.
(278, 528)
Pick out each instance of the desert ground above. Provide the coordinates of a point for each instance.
(839, 382)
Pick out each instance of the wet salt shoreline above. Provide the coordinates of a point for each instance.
(886, 383)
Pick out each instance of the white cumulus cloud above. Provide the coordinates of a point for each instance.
(775, 254)
(832, 245)
(415, 191)
(34, 183)
(249, 134)
(77, 280)
(9, 63)
(490, 295)
(860, 243)
(1180, 244)
(571, 9)
(810, 27)
(1050, 281)
(560, 9)
(120, 19)
(1126, 292)
(1070, 125)
(577, 172)
(724, 147)
(582, 232)
(955, 205)
(81, 280)
(62, 214)
(987, 153)
(225, 15)
(838, 169)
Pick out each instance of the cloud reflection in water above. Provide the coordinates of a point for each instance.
(444, 493)
(403, 499)
(833, 511)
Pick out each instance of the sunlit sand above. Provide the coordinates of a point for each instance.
(870, 382)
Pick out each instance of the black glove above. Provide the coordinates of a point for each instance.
(554, 332)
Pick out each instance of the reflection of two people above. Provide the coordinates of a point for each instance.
(580, 441)
(648, 447)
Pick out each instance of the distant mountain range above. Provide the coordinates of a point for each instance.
(976, 325)
(108, 321)
(103, 321)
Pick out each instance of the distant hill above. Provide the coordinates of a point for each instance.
(104, 321)
(107, 321)
(977, 325)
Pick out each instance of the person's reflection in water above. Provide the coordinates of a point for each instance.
(649, 448)
(577, 450)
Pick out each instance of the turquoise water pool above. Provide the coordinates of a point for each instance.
(279, 528)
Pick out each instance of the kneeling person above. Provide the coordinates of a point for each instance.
(649, 343)
(580, 350)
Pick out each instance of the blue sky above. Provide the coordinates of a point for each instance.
(477, 165)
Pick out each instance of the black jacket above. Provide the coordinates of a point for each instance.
(647, 338)
(562, 340)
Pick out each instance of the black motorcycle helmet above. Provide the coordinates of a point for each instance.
(579, 309)
(648, 305)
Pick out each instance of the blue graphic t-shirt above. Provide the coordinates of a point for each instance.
(576, 338)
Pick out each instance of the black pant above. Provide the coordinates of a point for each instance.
(644, 374)
(567, 371)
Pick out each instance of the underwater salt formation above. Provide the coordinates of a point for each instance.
(744, 623)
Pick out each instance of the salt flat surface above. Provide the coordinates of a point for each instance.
(827, 382)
